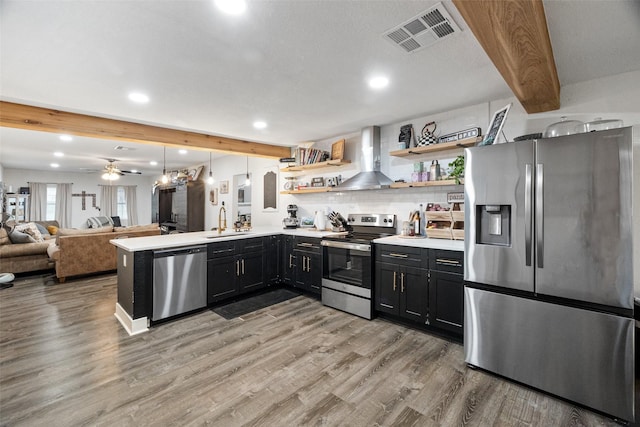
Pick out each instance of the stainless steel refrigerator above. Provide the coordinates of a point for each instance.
(549, 265)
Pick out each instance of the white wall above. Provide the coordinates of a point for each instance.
(84, 182)
(610, 97)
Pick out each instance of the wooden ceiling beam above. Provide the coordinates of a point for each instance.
(515, 36)
(49, 120)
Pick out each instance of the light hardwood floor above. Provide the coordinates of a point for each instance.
(66, 361)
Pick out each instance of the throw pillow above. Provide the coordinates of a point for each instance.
(52, 229)
(99, 221)
(42, 229)
(31, 229)
(17, 236)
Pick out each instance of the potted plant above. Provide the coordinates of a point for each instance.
(457, 171)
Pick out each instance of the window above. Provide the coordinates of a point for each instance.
(51, 202)
(121, 204)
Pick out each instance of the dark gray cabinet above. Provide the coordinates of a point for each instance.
(288, 260)
(424, 286)
(308, 272)
(401, 285)
(272, 259)
(179, 206)
(446, 290)
(234, 268)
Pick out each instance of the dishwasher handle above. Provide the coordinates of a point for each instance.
(180, 251)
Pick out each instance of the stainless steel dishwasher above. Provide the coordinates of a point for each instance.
(179, 281)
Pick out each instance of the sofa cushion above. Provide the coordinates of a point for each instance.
(78, 231)
(18, 237)
(9, 251)
(4, 237)
(137, 227)
(32, 230)
(99, 221)
(52, 229)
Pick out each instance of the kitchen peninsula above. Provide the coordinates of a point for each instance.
(222, 266)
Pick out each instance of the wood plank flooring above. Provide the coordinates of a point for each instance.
(66, 361)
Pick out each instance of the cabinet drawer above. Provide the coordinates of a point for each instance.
(445, 260)
(249, 245)
(401, 255)
(217, 250)
(308, 244)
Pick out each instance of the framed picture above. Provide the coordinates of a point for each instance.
(224, 187)
(337, 150)
(213, 196)
(495, 127)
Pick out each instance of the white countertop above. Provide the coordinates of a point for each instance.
(166, 241)
(452, 245)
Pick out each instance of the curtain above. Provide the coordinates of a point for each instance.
(109, 200)
(130, 196)
(38, 205)
(63, 204)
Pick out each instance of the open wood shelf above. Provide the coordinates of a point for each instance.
(432, 148)
(307, 190)
(426, 183)
(317, 165)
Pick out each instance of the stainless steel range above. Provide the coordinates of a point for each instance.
(347, 274)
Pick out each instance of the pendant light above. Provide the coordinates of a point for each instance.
(247, 181)
(165, 178)
(210, 180)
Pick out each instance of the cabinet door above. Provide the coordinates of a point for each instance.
(446, 301)
(179, 208)
(414, 294)
(314, 273)
(288, 267)
(221, 279)
(301, 278)
(250, 272)
(387, 293)
(272, 256)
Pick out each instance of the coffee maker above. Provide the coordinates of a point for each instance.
(291, 221)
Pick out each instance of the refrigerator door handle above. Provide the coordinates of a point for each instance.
(528, 214)
(539, 214)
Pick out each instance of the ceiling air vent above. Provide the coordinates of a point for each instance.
(423, 30)
(123, 148)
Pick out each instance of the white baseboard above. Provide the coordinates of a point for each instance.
(132, 326)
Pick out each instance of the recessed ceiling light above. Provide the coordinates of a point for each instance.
(153, 163)
(259, 125)
(58, 154)
(54, 165)
(183, 151)
(378, 82)
(231, 7)
(138, 97)
(66, 138)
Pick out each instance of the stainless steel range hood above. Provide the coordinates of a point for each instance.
(370, 177)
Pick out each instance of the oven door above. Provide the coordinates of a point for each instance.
(348, 263)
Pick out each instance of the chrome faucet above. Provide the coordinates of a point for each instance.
(222, 224)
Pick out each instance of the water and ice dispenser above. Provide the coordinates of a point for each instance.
(493, 225)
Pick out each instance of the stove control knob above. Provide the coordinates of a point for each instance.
(351, 219)
(385, 220)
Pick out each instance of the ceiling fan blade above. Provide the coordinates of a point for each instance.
(132, 172)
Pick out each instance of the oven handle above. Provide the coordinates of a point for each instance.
(346, 245)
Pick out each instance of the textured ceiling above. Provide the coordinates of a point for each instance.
(301, 66)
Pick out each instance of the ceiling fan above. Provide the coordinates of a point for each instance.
(111, 172)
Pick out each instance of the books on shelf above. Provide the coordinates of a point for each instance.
(307, 156)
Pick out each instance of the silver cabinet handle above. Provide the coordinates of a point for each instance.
(306, 245)
(402, 282)
(308, 263)
(528, 218)
(290, 260)
(395, 274)
(539, 214)
(243, 266)
(237, 268)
